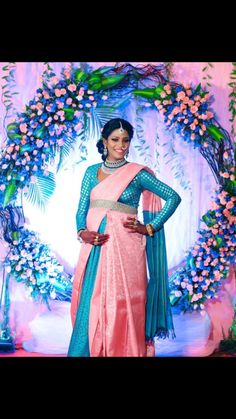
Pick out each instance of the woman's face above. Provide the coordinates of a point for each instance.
(117, 144)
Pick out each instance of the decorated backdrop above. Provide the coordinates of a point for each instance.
(49, 129)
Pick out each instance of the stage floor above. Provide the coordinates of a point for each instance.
(23, 353)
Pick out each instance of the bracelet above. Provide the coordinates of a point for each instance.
(150, 230)
(78, 234)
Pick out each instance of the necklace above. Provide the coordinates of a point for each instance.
(110, 167)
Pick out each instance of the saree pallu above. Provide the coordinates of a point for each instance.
(117, 303)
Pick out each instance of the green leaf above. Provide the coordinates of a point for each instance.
(146, 93)
(208, 220)
(95, 86)
(40, 191)
(94, 79)
(5, 68)
(173, 299)
(80, 75)
(25, 147)
(9, 192)
(102, 70)
(215, 133)
(112, 81)
(69, 113)
(40, 132)
(12, 126)
(230, 186)
(13, 136)
(158, 90)
(192, 263)
(15, 235)
(198, 88)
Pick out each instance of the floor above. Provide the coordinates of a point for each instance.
(22, 353)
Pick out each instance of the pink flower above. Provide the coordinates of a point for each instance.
(23, 127)
(214, 205)
(232, 177)
(72, 87)
(193, 109)
(176, 110)
(209, 115)
(57, 92)
(180, 95)
(163, 94)
(78, 126)
(167, 87)
(225, 174)
(67, 73)
(60, 105)
(193, 136)
(45, 95)
(192, 126)
(69, 101)
(229, 205)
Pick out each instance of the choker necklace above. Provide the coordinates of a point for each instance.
(110, 167)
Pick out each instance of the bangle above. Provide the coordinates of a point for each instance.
(150, 230)
(79, 233)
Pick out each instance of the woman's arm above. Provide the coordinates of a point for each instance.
(151, 183)
(83, 202)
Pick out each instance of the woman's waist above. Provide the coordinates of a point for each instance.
(113, 206)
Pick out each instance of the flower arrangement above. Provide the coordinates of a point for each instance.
(207, 263)
(51, 117)
(185, 108)
(31, 262)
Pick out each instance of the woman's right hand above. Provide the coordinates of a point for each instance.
(90, 237)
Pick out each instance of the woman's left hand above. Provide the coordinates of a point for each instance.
(135, 226)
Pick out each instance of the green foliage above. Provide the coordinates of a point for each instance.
(40, 191)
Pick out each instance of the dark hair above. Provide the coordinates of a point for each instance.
(111, 126)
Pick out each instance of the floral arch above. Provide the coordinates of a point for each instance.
(59, 115)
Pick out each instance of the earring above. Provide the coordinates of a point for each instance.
(127, 154)
(105, 152)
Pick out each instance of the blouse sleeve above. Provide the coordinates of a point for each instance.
(150, 182)
(83, 202)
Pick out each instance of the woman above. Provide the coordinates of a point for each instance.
(115, 310)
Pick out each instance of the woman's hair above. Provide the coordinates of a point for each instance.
(111, 126)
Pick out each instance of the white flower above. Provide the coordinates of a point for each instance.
(178, 293)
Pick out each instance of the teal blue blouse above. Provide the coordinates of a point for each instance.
(131, 195)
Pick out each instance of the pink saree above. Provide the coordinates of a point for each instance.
(117, 308)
